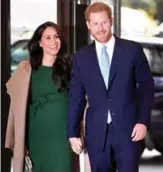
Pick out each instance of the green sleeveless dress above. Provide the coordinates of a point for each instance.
(47, 141)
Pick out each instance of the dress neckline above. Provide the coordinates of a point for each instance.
(43, 66)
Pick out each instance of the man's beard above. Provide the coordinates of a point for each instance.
(104, 38)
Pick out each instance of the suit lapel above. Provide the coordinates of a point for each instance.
(115, 61)
(95, 66)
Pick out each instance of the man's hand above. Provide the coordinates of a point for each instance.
(139, 132)
(76, 145)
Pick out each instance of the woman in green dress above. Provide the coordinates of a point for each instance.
(46, 137)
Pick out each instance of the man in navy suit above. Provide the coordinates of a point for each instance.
(114, 75)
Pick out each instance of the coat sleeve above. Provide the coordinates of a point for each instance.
(9, 141)
(76, 101)
(145, 87)
(11, 85)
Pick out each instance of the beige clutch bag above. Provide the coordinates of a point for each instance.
(27, 164)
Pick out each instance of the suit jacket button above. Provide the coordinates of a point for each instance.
(112, 113)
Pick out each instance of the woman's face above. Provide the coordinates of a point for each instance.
(50, 42)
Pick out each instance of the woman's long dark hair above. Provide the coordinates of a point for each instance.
(62, 65)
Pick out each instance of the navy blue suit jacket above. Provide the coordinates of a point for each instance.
(129, 96)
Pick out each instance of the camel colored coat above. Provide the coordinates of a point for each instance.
(18, 88)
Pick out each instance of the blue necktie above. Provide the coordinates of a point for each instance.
(105, 69)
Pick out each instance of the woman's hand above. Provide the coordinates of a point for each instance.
(26, 152)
